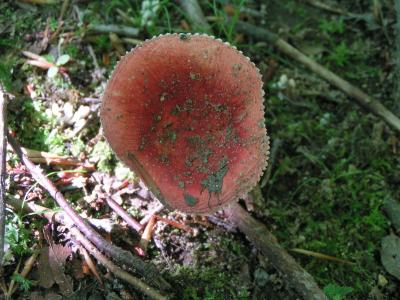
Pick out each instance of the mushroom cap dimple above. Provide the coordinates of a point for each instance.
(185, 113)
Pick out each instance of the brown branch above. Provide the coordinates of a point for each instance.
(150, 214)
(3, 152)
(121, 256)
(124, 215)
(397, 56)
(266, 242)
(90, 264)
(195, 14)
(117, 29)
(329, 8)
(40, 157)
(358, 95)
(63, 218)
(25, 271)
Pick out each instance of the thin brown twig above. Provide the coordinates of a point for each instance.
(147, 233)
(354, 92)
(195, 14)
(119, 255)
(63, 218)
(11, 286)
(117, 29)
(266, 242)
(90, 264)
(397, 56)
(327, 7)
(25, 271)
(150, 214)
(3, 152)
(321, 256)
(63, 10)
(124, 215)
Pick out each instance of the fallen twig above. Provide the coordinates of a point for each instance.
(321, 256)
(64, 219)
(90, 264)
(397, 55)
(266, 242)
(195, 14)
(25, 271)
(327, 7)
(147, 233)
(124, 215)
(121, 256)
(38, 61)
(54, 159)
(3, 152)
(118, 29)
(358, 95)
(150, 214)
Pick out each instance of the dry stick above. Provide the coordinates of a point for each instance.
(328, 7)
(118, 29)
(358, 95)
(136, 282)
(266, 242)
(64, 219)
(150, 214)
(124, 215)
(397, 56)
(25, 271)
(90, 264)
(121, 256)
(195, 14)
(3, 152)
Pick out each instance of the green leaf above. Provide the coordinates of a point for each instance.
(63, 59)
(52, 72)
(336, 292)
(390, 254)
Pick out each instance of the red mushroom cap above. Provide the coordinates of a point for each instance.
(186, 113)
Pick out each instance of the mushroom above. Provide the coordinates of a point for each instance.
(185, 113)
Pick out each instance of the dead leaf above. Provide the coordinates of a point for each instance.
(46, 279)
(57, 257)
(390, 254)
(77, 270)
(52, 268)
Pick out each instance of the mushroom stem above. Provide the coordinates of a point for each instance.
(267, 243)
(354, 92)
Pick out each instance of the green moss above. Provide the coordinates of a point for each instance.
(190, 200)
(209, 283)
(213, 183)
(104, 156)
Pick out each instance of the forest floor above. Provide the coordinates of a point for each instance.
(337, 166)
